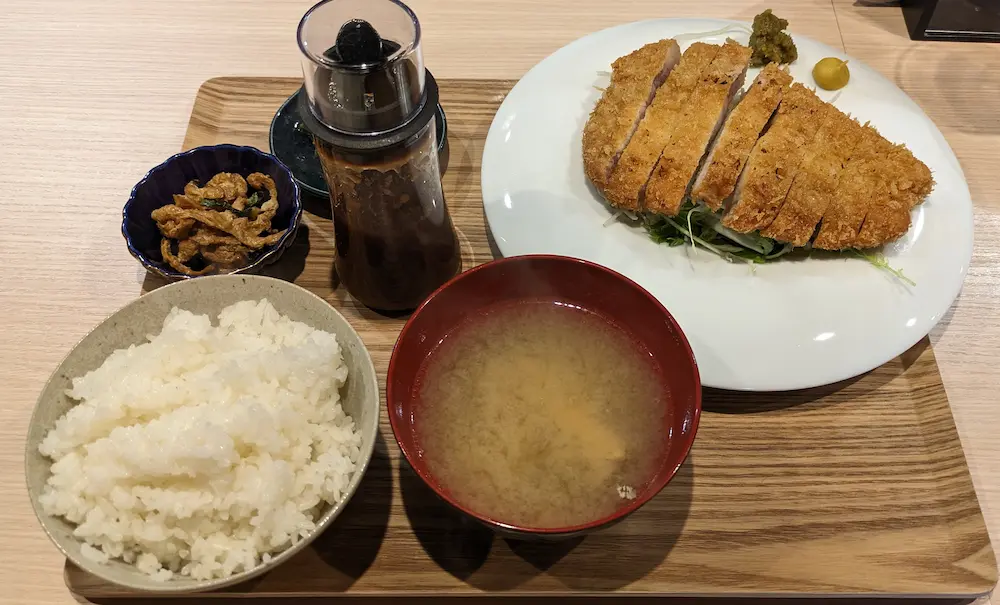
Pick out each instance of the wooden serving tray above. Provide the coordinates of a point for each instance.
(856, 489)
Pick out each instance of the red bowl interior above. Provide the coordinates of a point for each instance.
(592, 287)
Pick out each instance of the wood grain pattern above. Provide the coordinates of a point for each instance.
(856, 489)
(99, 92)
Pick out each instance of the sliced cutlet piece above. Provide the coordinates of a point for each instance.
(859, 184)
(634, 80)
(629, 177)
(816, 182)
(722, 166)
(771, 167)
(671, 178)
(908, 182)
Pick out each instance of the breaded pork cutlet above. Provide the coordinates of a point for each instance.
(860, 183)
(774, 161)
(816, 182)
(908, 183)
(671, 178)
(628, 179)
(634, 80)
(722, 166)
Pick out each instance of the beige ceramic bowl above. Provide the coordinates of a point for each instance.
(130, 325)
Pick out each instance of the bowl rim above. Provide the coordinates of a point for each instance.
(322, 523)
(619, 514)
(267, 257)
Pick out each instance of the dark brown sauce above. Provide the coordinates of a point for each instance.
(393, 235)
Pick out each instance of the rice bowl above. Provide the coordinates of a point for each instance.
(221, 473)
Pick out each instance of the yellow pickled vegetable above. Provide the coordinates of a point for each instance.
(831, 73)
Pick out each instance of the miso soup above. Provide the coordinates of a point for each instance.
(541, 415)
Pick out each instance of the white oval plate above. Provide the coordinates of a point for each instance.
(781, 326)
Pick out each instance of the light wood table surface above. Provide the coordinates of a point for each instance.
(94, 93)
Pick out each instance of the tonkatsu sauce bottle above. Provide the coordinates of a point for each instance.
(370, 106)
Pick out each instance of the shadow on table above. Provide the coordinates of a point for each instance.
(456, 543)
(472, 553)
(584, 566)
(316, 204)
(288, 267)
(353, 540)
(737, 402)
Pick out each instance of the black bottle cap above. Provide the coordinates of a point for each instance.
(357, 44)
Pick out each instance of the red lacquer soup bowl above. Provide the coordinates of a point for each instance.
(619, 301)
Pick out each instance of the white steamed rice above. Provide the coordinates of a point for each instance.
(207, 449)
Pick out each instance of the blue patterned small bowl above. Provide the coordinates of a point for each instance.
(157, 188)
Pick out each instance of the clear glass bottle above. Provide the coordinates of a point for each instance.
(371, 105)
